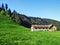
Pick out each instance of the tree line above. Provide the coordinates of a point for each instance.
(16, 17)
(24, 20)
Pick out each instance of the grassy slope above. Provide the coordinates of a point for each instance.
(13, 34)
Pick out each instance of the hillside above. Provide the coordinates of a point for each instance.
(14, 31)
(13, 34)
(9, 30)
(27, 21)
(37, 20)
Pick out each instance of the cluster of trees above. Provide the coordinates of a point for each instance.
(24, 20)
(16, 17)
(4, 7)
(20, 19)
(5, 10)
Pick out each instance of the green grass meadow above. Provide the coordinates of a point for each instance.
(14, 34)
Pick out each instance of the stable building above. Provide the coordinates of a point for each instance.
(50, 27)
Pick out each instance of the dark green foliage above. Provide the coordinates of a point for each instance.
(25, 20)
(1, 9)
(3, 6)
(10, 14)
(6, 7)
(15, 17)
(28, 21)
(13, 34)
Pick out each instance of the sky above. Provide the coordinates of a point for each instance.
(35, 8)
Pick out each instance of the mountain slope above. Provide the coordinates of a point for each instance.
(6, 22)
(37, 20)
(9, 30)
(13, 34)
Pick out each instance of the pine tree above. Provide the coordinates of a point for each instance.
(6, 7)
(9, 12)
(3, 6)
(16, 17)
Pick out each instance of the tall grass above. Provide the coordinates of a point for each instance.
(14, 34)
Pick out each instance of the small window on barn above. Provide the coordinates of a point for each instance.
(43, 28)
(35, 28)
(46, 28)
(39, 28)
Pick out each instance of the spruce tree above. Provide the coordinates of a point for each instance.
(3, 6)
(6, 7)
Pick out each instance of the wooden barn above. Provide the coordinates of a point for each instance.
(50, 27)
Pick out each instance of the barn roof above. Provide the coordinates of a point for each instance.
(42, 26)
